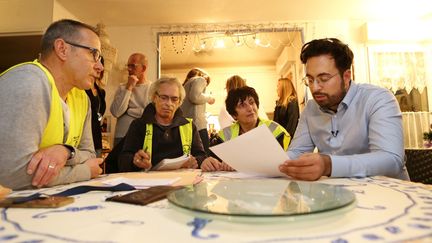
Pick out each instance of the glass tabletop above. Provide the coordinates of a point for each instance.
(261, 197)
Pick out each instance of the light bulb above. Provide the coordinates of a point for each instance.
(219, 43)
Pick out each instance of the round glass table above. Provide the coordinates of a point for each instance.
(261, 197)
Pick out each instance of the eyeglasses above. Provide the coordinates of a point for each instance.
(165, 98)
(95, 52)
(321, 79)
(133, 65)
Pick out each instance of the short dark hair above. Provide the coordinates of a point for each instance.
(340, 51)
(239, 94)
(67, 29)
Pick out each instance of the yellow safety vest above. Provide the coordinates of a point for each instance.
(77, 102)
(186, 135)
(233, 131)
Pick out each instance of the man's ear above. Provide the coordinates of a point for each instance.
(60, 49)
(347, 77)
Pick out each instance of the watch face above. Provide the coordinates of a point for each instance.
(72, 154)
(71, 151)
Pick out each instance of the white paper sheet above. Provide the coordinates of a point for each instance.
(141, 183)
(255, 152)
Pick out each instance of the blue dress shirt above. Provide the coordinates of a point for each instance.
(363, 138)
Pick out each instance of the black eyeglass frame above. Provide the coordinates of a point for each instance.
(165, 98)
(94, 51)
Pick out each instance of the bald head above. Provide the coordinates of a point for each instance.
(137, 66)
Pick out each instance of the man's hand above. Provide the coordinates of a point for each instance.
(309, 167)
(142, 159)
(211, 101)
(93, 164)
(191, 163)
(132, 81)
(46, 163)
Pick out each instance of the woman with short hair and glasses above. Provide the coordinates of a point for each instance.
(162, 131)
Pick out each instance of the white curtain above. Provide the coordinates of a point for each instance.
(399, 70)
(414, 125)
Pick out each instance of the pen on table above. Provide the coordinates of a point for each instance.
(146, 170)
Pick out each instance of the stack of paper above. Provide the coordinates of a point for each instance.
(141, 183)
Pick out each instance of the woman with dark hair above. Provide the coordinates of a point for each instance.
(97, 99)
(194, 104)
(286, 112)
(225, 119)
(242, 104)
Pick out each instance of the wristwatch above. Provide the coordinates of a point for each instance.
(71, 151)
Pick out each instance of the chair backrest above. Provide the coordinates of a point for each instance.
(419, 165)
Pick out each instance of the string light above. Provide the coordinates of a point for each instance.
(184, 43)
(209, 37)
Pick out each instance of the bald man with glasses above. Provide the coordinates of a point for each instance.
(45, 131)
(131, 97)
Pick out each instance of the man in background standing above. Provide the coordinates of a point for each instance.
(131, 97)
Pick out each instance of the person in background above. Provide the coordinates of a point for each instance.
(242, 104)
(97, 99)
(131, 97)
(225, 119)
(45, 131)
(357, 128)
(286, 112)
(194, 104)
(162, 131)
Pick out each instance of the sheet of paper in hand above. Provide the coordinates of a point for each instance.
(171, 164)
(256, 152)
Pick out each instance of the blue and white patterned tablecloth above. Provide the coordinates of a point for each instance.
(386, 210)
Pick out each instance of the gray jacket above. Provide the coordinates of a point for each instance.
(194, 104)
(25, 98)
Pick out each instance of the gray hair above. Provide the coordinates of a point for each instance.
(166, 80)
(67, 29)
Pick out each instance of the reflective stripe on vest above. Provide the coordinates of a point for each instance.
(77, 102)
(186, 135)
(233, 131)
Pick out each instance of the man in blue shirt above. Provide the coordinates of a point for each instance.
(356, 128)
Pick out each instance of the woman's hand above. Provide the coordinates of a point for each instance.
(191, 163)
(142, 159)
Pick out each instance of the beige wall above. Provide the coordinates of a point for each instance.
(17, 16)
(36, 15)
